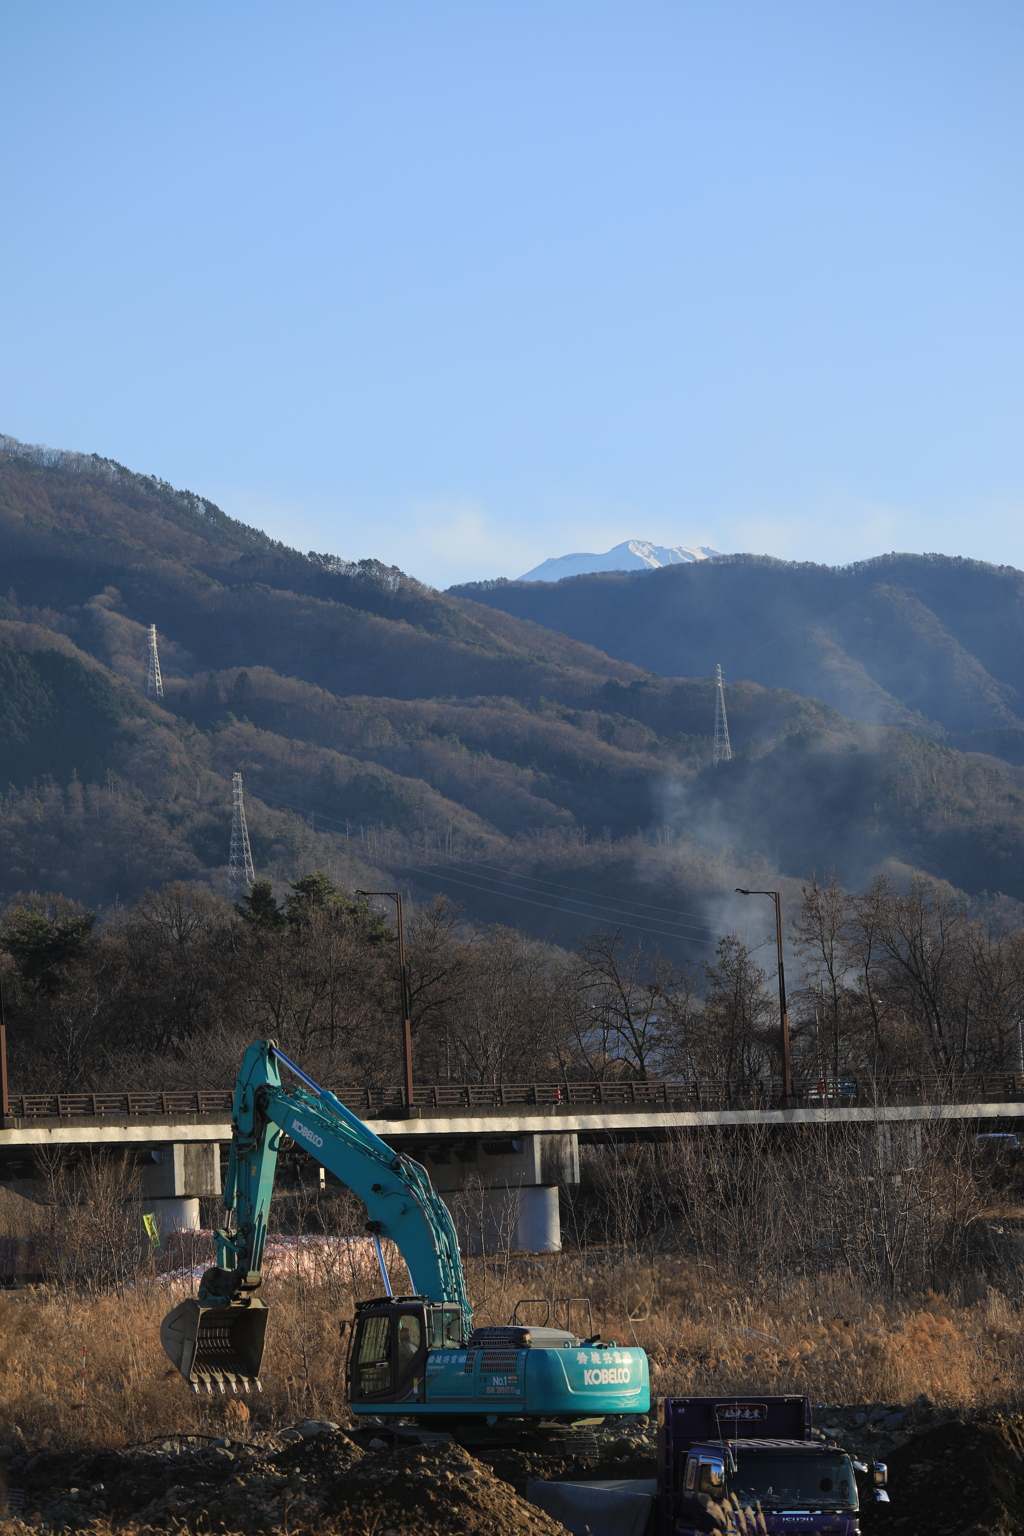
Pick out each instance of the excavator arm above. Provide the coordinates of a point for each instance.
(218, 1338)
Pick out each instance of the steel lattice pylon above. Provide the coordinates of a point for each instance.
(723, 750)
(154, 682)
(241, 873)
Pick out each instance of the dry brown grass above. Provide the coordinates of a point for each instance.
(824, 1340)
(132, 1391)
(822, 1337)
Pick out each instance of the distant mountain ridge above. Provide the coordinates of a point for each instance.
(631, 555)
(930, 643)
(386, 731)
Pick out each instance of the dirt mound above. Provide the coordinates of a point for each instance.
(433, 1488)
(616, 1458)
(313, 1478)
(958, 1479)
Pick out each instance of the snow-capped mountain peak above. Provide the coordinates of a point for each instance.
(631, 555)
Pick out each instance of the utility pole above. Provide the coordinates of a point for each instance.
(241, 873)
(787, 1077)
(396, 897)
(154, 682)
(5, 1102)
(722, 750)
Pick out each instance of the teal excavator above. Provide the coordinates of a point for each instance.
(416, 1355)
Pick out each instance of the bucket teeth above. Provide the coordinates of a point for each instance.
(219, 1344)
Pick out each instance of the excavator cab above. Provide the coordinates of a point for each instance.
(390, 1340)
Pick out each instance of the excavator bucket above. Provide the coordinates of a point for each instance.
(217, 1345)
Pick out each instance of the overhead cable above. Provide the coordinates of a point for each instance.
(625, 920)
(541, 880)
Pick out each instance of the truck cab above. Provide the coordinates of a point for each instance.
(760, 1453)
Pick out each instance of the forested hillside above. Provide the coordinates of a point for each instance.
(922, 641)
(390, 733)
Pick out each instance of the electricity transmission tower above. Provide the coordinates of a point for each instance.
(241, 873)
(723, 751)
(154, 682)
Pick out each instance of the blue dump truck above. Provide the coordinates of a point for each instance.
(721, 1456)
(750, 1466)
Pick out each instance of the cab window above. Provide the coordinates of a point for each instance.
(410, 1338)
(373, 1362)
(446, 1328)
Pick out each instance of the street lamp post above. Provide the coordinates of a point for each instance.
(787, 1076)
(396, 897)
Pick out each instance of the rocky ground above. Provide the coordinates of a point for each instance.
(308, 1476)
(956, 1478)
(949, 1476)
(874, 1431)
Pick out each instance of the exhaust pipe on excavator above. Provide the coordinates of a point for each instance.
(217, 1345)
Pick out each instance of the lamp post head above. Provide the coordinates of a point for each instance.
(741, 892)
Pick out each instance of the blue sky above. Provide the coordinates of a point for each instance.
(462, 286)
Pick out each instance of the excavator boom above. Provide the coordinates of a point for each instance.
(410, 1354)
(218, 1339)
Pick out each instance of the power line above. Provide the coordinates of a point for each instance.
(596, 905)
(685, 938)
(434, 873)
(558, 885)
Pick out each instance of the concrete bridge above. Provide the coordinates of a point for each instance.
(497, 1153)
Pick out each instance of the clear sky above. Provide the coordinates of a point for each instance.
(462, 286)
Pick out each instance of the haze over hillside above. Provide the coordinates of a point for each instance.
(389, 732)
(926, 642)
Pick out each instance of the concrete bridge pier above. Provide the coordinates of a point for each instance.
(502, 1191)
(174, 1178)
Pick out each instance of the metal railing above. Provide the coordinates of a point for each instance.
(60, 1106)
(615, 1094)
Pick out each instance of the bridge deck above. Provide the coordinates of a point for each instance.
(388, 1102)
(424, 1126)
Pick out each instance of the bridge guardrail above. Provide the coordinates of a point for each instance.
(616, 1094)
(60, 1106)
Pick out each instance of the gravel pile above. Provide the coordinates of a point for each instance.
(956, 1479)
(433, 1488)
(873, 1431)
(947, 1477)
(311, 1476)
(616, 1452)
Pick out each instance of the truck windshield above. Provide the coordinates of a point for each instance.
(788, 1482)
